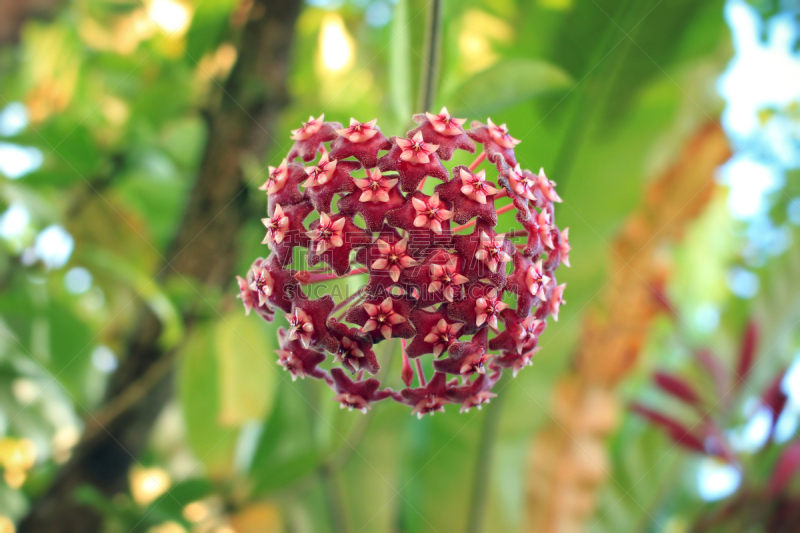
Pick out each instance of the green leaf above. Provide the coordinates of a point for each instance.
(505, 84)
(247, 369)
(286, 451)
(198, 390)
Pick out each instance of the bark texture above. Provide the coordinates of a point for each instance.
(202, 252)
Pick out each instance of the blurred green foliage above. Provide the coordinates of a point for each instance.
(602, 93)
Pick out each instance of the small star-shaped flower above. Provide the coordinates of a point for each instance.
(439, 278)
(529, 281)
(481, 306)
(285, 229)
(521, 188)
(547, 187)
(466, 358)
(485, 254)
(333, 237)
(413, 159)
(276, 226)
(556, 301)
(377, 195)
(445, 131)
(426, 218)
(564, 247)
(543, 228)
(271, 286)
(327, 178)
(362, 140)
(310, 136)
(521, 333)
(298, 360)
(282, 184)
(249, 298)
(475, 393)
(383, 319)
(516, 361)
(355, 349)
(434, 333)
(356, 394)
(472, 196)
(496, 141)
(308, 323)
(428, 399)
(393, 257)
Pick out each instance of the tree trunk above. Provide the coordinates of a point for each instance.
(202, 252)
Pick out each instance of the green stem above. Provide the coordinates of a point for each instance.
(430, 67)
(480, 486)
(333, 500)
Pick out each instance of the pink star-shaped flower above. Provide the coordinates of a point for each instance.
(496, 141)
(298, 360)
(471, 195)
(359, 132)
(308, 323)
(428, 399)
(556, 301)
(332, 239)
(434, 333)
(466, 358)
(479, 253)
(543, 228)
(474, 186)
(276, 226)
(285, 229)
(431, 212)
(481, 306)
(380, 195)
(261, 282)
(300, 327)
(375, 187)
(393, 258)
(520, 334)
(492, 251)
(525, 281)
(474, 393)
(564, 247)
(251, 301)
(445, 131)
(536, 280)
(437, 279)
(516, 361)
(327, 178)
(283, 183)
(310, 136)
(383, 319)
(488, 308)
(413, 159)
(416, 151)
(547, 187)
(362, 140)
(355, 349)
(356, 394)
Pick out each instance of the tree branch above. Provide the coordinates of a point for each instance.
(203, 251)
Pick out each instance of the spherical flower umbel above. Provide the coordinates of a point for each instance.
(449, 280)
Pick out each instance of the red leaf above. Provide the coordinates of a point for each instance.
(775, 399)
(677, 431)
(714, 367)
(747, 352)
(677, 387)
(785, 469)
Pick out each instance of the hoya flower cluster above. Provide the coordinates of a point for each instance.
(467, 300)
